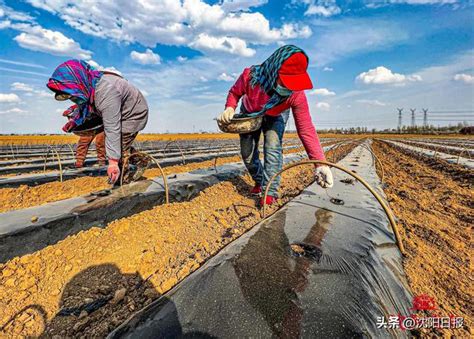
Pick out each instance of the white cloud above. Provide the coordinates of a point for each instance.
(22, 87)
(230, 45)
(29, 90)
(44, 94)
(371, 102)
(325, 8)
(383, 75)
(328, 69)
(37, 38)
(181, 58)
(14, 110)
(414, 77)
(147, 58)
(466, 78)
(324, 92)
(325, 11)
(93, 63)
(423, 2)
(96, 65)
(226, 77)
(9, 98)
(323, 106)
(191, 23)
(241, 5)
(44, 40)
(17, 63)
(350, 36)
(10, 14)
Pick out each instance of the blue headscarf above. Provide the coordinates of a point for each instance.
(78, 79)
(266, 75)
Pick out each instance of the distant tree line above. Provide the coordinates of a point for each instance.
(462, 128)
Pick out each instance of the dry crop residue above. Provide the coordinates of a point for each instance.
(435, 212)
(125, 266)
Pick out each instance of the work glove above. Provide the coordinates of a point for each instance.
(324, 176)
(113, 171)
(226, 116)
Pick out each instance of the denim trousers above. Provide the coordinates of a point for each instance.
(273, 129)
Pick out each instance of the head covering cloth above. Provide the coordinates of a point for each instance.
(266, 75)
(78, 79)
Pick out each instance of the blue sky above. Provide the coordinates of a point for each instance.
(366, 57)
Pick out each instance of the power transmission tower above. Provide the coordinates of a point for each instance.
(400, 110)
(425, 117)
(412, 116)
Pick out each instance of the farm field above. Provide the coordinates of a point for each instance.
(27, 140)
(78, 272)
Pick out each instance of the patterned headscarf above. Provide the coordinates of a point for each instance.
(78, 79)
(266, 75)
(72, 114)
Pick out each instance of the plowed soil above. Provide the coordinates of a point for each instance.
(435, 211)
(465, 152)
(26, 196)
(99, 277)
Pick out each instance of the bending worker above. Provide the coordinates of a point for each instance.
(107, 98)
(271, 89)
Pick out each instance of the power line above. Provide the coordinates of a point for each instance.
(449, 115)
(454, 120)
(454, 111)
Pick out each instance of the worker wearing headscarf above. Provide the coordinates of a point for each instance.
(119, 105)
(272, 89)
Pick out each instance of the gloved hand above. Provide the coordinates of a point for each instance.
(226, 116)
(113, 171)
(324, 176)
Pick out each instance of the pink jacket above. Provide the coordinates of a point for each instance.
(254, 99)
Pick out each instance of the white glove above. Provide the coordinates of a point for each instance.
(226, 116)
(324, 176)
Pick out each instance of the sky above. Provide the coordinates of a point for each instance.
(367, 58)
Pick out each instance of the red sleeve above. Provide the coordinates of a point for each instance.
(238, 89)
(305, 128)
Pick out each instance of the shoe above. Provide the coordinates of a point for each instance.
(269, 201)
(141, 163)
(256, 190)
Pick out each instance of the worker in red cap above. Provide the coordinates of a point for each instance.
(271, 89)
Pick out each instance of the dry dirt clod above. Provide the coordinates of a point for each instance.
(82, 315)
(34, 219)
(297, 248)
(80, 325)
(119, 295)
(55, 292)
(150, 293)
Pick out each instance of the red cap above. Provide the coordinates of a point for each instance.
(293, 73)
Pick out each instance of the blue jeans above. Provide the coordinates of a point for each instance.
(273, 129)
